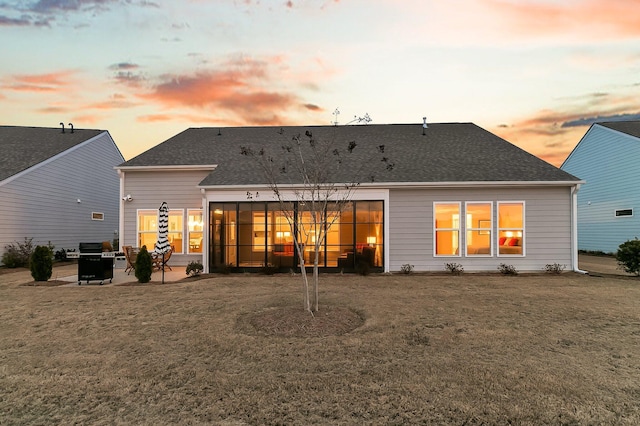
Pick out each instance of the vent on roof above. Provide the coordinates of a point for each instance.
(424, 125)
(62, 124)
(71, 125)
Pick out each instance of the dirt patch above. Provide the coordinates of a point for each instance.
(290, 321)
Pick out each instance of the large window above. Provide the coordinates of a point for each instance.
(511, 231)
(478, 227)
(446, 222)
(148, 229)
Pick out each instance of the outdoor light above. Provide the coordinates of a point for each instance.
(127, 197)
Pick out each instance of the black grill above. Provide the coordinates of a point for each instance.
(92, 265)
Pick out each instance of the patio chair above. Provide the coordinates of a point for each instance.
(130, 254)
(158, 260)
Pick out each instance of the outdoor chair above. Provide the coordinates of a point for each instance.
(130, 254)
(158, 260)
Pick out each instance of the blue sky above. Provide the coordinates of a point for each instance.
(535, 72)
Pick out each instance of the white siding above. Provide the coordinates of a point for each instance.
(41, 203)
(149, 189)
(608, 161)
(547, 227)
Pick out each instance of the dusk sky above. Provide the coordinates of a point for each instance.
(535, 72)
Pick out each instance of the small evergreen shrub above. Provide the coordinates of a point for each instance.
(507, 269)
(406, 269)
(628, 256)
(454, 268)
(41, 263)
(194, 268)
(554, 268)
(144, 266)
(17, 254)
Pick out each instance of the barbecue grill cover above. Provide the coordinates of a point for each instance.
(90, 248)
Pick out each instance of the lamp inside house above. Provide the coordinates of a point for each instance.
(371, 240)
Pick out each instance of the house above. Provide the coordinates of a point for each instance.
(58, 187)
(456, 194)
(607, 158)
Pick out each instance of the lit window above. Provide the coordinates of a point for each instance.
(511, 233)
(478, 241)
(446, 224)
(148, 229)
(195, 227)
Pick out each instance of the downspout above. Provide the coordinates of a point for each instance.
(205, 231)
(121, 213)
(574, 229)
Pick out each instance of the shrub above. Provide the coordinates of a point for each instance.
(144, 266)
(363, 268)
(454, 268)
(268, 269)
(507, 269)
(406, 269)
(194, 268)
(554, 268)
(17, 254)
(41, 263)
(628, 256)
(60, 255)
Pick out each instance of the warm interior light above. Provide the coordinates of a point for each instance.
(509, 234)
(279, 234)
(519, 233)
(287, 233)
(217, 211)
(371, 240)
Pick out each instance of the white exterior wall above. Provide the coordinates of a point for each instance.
(148, 190)
(42, 202)
(547, 228)
(608, 161)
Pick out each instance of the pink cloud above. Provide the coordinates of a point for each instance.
(600, 18)
(50, 82)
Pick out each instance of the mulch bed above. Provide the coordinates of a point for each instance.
(293, 321)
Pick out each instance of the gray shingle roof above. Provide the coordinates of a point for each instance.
(24, 147)
(629, 127)
(447, 152)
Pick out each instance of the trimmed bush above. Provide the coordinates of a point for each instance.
(628, 256)
(144, 266)
(507, 269)
(194, 268)
(406, 269)
(41, 263)
(454, 268)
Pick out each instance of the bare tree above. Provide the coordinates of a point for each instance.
(304, 172)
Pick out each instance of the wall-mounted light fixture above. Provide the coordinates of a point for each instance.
(78, 201)
(127, 197)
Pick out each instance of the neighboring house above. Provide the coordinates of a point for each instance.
(58, 187)
(608, 159)
(517, 209)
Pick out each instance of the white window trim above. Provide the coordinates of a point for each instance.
(188, 233)
(524, 228)
(459, 229)
(491, 229)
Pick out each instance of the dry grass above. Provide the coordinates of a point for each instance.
(434, 349)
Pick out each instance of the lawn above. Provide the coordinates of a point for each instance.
(414, 349)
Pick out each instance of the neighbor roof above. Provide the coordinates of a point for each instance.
(24, 147)
(446, 152)
(629, 127)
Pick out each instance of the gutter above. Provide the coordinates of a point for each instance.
(574, 230)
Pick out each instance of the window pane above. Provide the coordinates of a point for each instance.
(447, 229)
(147, 228)
(176, 228)
(479, 226)
(195, 227)
(511, 228)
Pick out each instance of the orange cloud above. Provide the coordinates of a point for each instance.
(50, 82)
(600, 18)
(236, 88)
(552, 134)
